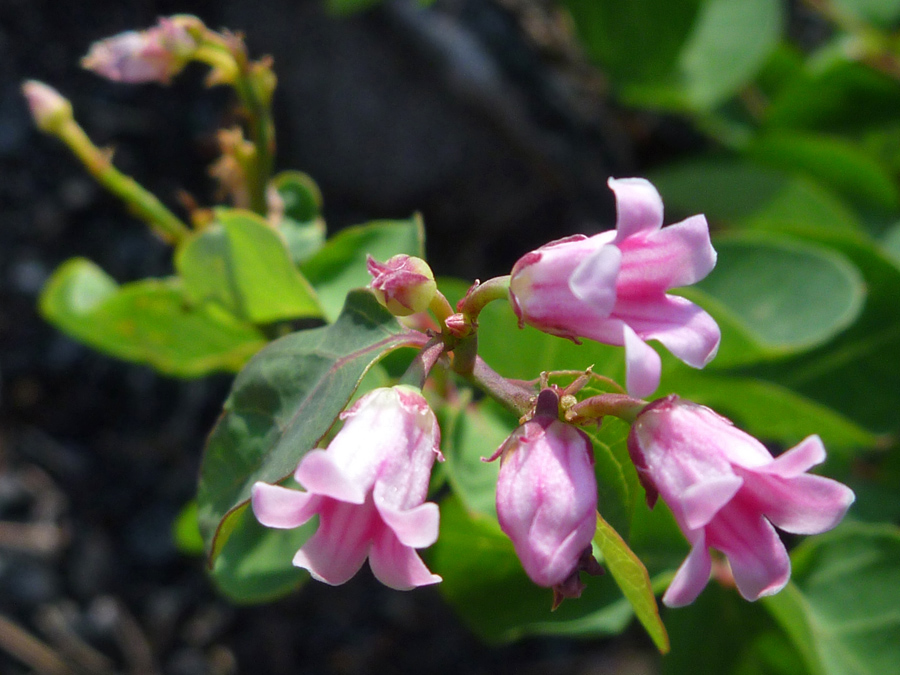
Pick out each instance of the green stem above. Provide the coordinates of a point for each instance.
(143, 203)
(482, 294)
(423, 362)
(594, 408)
(513, 395)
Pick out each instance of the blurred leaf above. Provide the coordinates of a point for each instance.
(341, 264)
(303, 239)
(801, 294)
(632, 578)
(256, 564)
(186, 531)
(841, 608)
(147, 322)
(300, 194)
(882, 13)
(636, 41)
(284, 402)
(836, 163)
(728, 45)
(740, 193)
(891, 243)
(486, 585)
(241, 264)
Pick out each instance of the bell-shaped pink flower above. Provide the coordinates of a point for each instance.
(612, 287)
(547, 499)
(403, 284)
(152, 55)
(726, 492)
(368, 489)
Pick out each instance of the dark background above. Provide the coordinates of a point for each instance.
(480, 114)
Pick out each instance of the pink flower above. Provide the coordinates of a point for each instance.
(612, 287)
(726, 491)
(152, 55)
(368, 489)
(547, 499)
(404, 284)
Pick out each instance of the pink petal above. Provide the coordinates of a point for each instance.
(319, 473)
(799, 459)
(686, 330)
(638, 205)
(594, 280)
(759, 561)
(701, 501)
(676, 255)
(416, 527)
(803, 504)
(642, 365)
(398, 566)
(339, 547)
(276, 506)
(691, 577)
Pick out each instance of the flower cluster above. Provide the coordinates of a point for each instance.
(725, 489)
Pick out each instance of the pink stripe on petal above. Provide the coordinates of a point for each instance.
(339, 547)
(642, 365)
(416, 527)
(279, 507)
(638, 205)
(692, 577)
(398, 566)
(320, 474)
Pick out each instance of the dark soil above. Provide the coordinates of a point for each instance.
(500, 136)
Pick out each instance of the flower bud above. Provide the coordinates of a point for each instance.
(48, 108)
(404, 284)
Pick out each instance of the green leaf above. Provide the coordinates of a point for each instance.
(617, 483)
(801, 296)
(740, 193)
(341, 264)
(486, 585)
(841, 610)
(284, 402)
(241, 264)
(186, 531)
(836, 163)
(881, 13)
(632, 578)
(728, 45)
(147, 322)
(256, 564)
(300, 194)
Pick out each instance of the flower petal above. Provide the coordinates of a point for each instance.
(319, 473)
(642, 365)
(638, 205)
(398, 566)
(416, 527)
(701, 501)
(280, 507)
(799, 459)
(691, 577)
(686, 330)
(594, 280)
(339, 547)
(759, 561)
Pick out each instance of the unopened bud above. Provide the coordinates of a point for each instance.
(404, 284)
(152, 55)
(48, 107)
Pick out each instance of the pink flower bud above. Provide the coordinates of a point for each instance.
(48, 108)
(547, 499)
(612, 287)
(368, 489)
(153, 55)
(726, 492)
(404, 284)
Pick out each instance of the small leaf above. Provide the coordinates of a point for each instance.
(147, 322)
(300, 194)
(632, 578)
(341, 264)
(186, 532)
(284, 402)
(240, 263)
